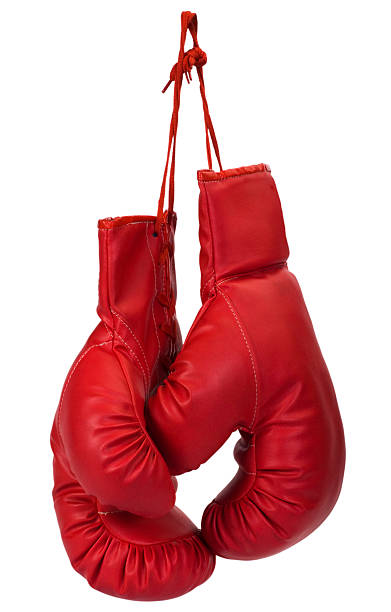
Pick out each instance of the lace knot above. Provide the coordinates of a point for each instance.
(193, 57)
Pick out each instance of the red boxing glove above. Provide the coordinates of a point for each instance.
(107, 470)
(105, 464)
(251, 362)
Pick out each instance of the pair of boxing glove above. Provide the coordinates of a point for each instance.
(137, 408)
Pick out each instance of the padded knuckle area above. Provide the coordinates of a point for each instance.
(256, 525)
(97, 411)
(280, 494)
(127, 556)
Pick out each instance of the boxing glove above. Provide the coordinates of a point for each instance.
(113, 494)
(251, 362)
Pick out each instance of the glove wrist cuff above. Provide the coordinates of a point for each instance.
(241, 224)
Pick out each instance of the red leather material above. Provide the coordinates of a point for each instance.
(241, 223)
(124, 555)
(107, 469)
(251, 362)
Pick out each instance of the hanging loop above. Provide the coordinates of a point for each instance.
(197, 58)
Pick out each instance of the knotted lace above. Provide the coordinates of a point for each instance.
(193, 57)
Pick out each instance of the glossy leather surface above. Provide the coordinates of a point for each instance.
(251, 362)
(113, 494)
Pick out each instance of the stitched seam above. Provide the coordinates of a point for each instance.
(133, 354)
(71, 373)
(154, 299)
(107, 229)
(228, 302)
(280, 264)
(229, 178)
(107, 329)
(108, 285)
(136, 339)
(205, 285)
(213, 277)
(207, 282)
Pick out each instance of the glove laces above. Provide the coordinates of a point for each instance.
(193, 58)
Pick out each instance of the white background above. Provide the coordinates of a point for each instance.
(302, 85)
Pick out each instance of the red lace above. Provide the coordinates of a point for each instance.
(197, 58)
(167, 300)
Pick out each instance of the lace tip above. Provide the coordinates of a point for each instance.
(166, 86)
